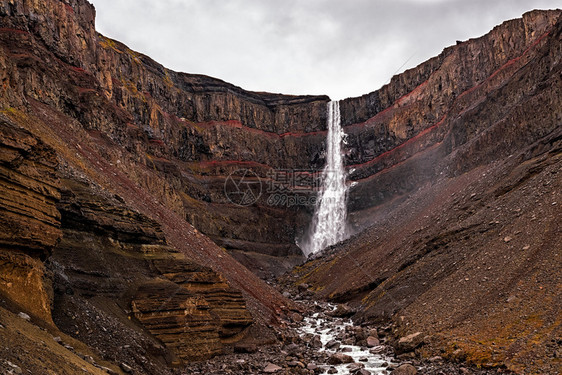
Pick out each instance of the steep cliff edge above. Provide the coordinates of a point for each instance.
(109, 161)
(117, 243)
(191, 131)
(462, 244)
(194, 131)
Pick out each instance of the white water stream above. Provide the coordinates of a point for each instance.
(329, 331)
(329, 225)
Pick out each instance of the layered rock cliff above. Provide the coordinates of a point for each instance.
(111, 240)
(191, 130)
(30, 221)
(109, 161)
(194, 131)
(461, 203)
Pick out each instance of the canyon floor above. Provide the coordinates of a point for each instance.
(317, 338)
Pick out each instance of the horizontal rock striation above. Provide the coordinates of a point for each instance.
(144, 150)
(29, 220)
(178, 318)
(443, 107)
(73, 89)
(461, 215)
(112, 253)
(193, 131)
(28, 193)
(225, 304)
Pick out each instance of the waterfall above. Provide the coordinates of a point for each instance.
(329, 224)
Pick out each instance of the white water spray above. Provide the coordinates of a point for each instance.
(329, 224)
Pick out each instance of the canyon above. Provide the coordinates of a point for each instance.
(119, 239)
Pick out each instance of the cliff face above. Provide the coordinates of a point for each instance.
(462, 209)
(109, 161)
(105, 247)
(30, 221)
(194, 131)
(403, 131)
(120, 256)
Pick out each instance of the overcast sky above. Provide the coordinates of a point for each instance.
(340, 48)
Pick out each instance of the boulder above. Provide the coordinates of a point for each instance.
(333, 345)
(410, 342)
(405, 369)
(339, 358)
(342, 311)
(270, 368)
(316, 342)
(355, 367)
(372, 341)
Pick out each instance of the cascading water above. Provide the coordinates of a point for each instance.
(329, 224)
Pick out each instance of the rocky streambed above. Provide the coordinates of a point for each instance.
(323, 340)
(346, 348)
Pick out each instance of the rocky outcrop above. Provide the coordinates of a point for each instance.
(30, 219)
(178, 318)
(110, 133)
(113, 253)
(30, 222)
(226, 305)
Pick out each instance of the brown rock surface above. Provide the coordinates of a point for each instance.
(178, 318)
(439, 204)
(225, 304)
(405, 370)
(192, 131)
(450, 158)
(110, 134)
(29, 220)
(339, 358)
(34, 351)
(29, 191)
(120, 257)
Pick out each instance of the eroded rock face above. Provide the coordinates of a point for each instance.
(193, 131)
(405, 130)
(77, 92)
(30, 219)
(178, 318)
(111, 252)
(225, 304)
(30, 222)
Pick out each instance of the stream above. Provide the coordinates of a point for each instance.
(335, 335)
